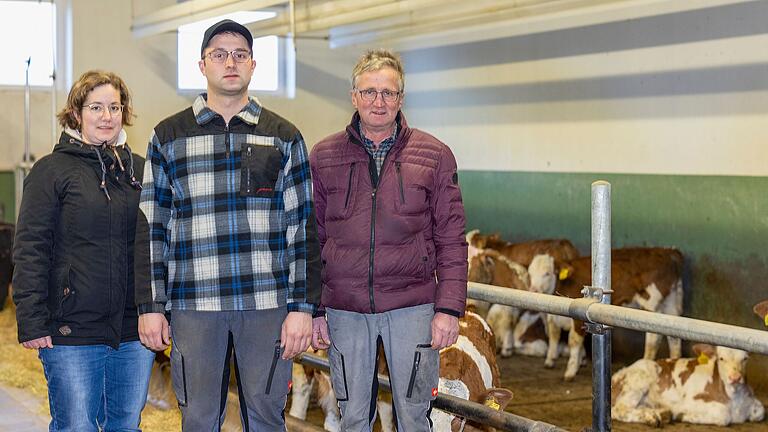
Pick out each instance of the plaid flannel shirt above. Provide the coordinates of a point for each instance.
(204, 245)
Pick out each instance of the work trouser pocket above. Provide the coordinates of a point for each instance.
(338, 373)
(178, 375)
(422, 384)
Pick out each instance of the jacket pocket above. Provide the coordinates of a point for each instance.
(66, 293)
(422, 384)
(273, 367)
(410, 198)
(260, 168)
(341, 197)
(338, 373)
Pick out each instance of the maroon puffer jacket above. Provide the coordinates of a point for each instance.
(383, 243)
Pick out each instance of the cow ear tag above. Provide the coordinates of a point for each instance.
(492, 403)
(167, 351)
(766, 320)
(703, 359)
(563, 274)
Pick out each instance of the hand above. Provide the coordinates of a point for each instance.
(320, 338)
(43, 342)
(296, 334)
(154, 331)
(445, 330)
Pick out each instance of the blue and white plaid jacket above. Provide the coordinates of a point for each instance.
(226, 221)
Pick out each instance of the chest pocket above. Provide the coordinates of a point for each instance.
(260, 169)
(341, 194)
(412, 196)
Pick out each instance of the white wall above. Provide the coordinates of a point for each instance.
(684, 93)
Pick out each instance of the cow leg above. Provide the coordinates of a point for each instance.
(673, 305)
(502, 320)
(576, 346)
(629, 401)
(327, 401)
(553, 331)
(300, 391)
(652, 342)
(707, 413)
(384, 408)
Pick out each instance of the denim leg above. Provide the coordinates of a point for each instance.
(75, 377)
(127, 381)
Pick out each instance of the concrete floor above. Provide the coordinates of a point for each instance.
(20, 412)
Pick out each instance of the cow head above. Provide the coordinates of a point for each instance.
(482, 266)
(731, 363)
(542, 274)
(761, 309)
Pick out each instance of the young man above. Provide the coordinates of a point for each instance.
(391, 225)
(228, 241)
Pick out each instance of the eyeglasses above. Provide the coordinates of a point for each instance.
(98, 109)
(220, 56)
(369, 95)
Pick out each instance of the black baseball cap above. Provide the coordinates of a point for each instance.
(226, 25)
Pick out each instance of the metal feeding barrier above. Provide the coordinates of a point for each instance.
(599, 315)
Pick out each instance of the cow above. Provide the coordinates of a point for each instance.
(761, 309)
(303, 381)
(644, 278)
(530, 335)
(468, 370)
(523, 252)
(710, 389)
(493, 268)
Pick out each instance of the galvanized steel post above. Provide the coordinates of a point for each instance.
(601, 283)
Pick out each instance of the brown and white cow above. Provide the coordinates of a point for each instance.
(468, 370)
(643, 278)
(492, 268)
(522, 252)
(710, 389)
(305, 379)
(530, 335)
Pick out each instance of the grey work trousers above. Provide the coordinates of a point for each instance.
(406, 335)
(202, 344)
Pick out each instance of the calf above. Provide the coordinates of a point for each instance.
(523, 252)
(303, 381)
(644, 278)
(709, 389)
(490, 267)
(468, 370)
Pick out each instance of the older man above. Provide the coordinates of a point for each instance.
(227, 234)
(391, 225)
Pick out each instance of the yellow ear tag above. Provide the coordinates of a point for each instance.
(766, 320)
(563, 274)
(167, 351)
(703, 359)
(491, 403)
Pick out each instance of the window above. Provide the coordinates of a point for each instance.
(16, 20)
(266, 52)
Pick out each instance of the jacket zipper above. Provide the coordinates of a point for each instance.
(275, 358)
(414, 371)
(349, 184)
(400, 182)
(372, 250)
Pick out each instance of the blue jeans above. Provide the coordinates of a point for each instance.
(96, 387)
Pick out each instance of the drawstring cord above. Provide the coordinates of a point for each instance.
(103, 185)
(135, 183)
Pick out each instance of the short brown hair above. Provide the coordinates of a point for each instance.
(375, 60)
(84, 85)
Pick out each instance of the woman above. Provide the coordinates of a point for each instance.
(73, 280)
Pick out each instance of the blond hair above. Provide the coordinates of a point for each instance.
(375, 60)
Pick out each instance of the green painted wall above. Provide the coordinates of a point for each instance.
(7, 196)
(719, 223)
